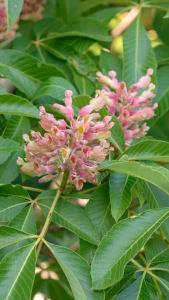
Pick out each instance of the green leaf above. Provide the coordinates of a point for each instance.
(55, 87)
(87, 250)
(17, 106)
(122, 243)
(70, 216)
(81, 100)
(14, 190)
(88, 4)
(154, 174)
(108, 62)
(140, 289)
(10, 207)
(25, 220)
(9, 170)
(156, 199)
(84, 85)
(106, 14)
(163, 4)
(25, 71)
(117, 136)
(17, 271)
(77, 272)
(93, 29)
(152, 150)
(138, 54)
(99, 209)
(16, 127)
(13, 9)
(9, 236)
(7, 146)
(154, 248)
(120, 193)
(162, 96)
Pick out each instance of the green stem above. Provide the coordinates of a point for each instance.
(29, 188)
(51, 211)
(140, 267)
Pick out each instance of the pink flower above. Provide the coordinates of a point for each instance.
(78, 146)
(132, 106)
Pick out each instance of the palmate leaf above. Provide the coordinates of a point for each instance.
(70, 216)
(7, 146)
(154, 174)
(25, 71)
(10, 207)
(138, 54)
(17, 271)
(120, 193)
(77, 272)
(152, 150)
(17, 106)
(122, 243)
(9, 236)
(13, 9)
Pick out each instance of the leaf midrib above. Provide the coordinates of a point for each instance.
(10, 291)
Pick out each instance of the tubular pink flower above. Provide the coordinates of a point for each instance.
(78, 146)
(132, 106)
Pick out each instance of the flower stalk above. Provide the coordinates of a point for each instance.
(51, 211)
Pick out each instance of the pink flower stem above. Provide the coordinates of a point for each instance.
(51, 211)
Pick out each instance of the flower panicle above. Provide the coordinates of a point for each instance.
(132, 106)
(76, 146)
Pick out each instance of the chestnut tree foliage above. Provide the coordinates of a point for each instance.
(84, 149)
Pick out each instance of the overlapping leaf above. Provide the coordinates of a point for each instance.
(121, 244)
(77, 272)
(154, 174)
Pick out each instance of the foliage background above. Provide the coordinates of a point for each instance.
(64, 50)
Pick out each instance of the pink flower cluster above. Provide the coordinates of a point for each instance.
(131, 106)
(78, 145)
